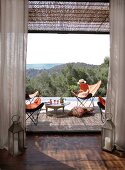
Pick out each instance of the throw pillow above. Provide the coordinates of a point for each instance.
(77, 111)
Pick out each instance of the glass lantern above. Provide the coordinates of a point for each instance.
(16, 137)
(108, 135)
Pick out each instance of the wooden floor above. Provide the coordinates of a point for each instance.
(61, 121)
(62, 152)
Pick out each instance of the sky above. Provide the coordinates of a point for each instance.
(67, 48)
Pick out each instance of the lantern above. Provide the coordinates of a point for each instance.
(108, 135)
(16, 137)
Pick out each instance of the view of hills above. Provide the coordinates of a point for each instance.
(61, 79)
(33, 70)
(40, 66)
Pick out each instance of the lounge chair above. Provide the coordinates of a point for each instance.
(89, 96)
(31, 97)
(33, 110)
(101, 103)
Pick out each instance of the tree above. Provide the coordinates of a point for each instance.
(63, 82)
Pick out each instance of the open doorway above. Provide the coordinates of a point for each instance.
(55, 64)
(60, 19)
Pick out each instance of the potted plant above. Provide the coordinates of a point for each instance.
(61, 100)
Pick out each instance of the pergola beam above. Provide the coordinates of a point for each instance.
(69, 32)
(81, 16)
(103, 1)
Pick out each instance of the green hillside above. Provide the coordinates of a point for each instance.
(62, 79)
(32, 72)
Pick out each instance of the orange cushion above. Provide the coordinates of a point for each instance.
(102, 101)
(34, 105)
(84, 87)
(37, 101)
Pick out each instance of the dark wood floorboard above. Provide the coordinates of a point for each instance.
(62, 152)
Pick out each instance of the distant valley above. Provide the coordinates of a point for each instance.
(41, 66)
(33, 70)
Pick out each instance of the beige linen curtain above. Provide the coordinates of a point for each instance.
(13, 43)
(116, 85)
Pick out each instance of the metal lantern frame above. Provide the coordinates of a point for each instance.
(16, 137)
(108, 132)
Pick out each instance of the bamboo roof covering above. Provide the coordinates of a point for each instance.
(68, 16)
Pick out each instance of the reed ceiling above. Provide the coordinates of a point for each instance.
(69, 16)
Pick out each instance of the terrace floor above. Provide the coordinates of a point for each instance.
(62, 122)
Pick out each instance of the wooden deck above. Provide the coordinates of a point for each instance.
(62, 152)
(51, 121)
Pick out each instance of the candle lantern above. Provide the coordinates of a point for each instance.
(15, 137)
(108, 135)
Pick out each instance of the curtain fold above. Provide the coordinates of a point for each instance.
(116, 85)
(13, 44)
